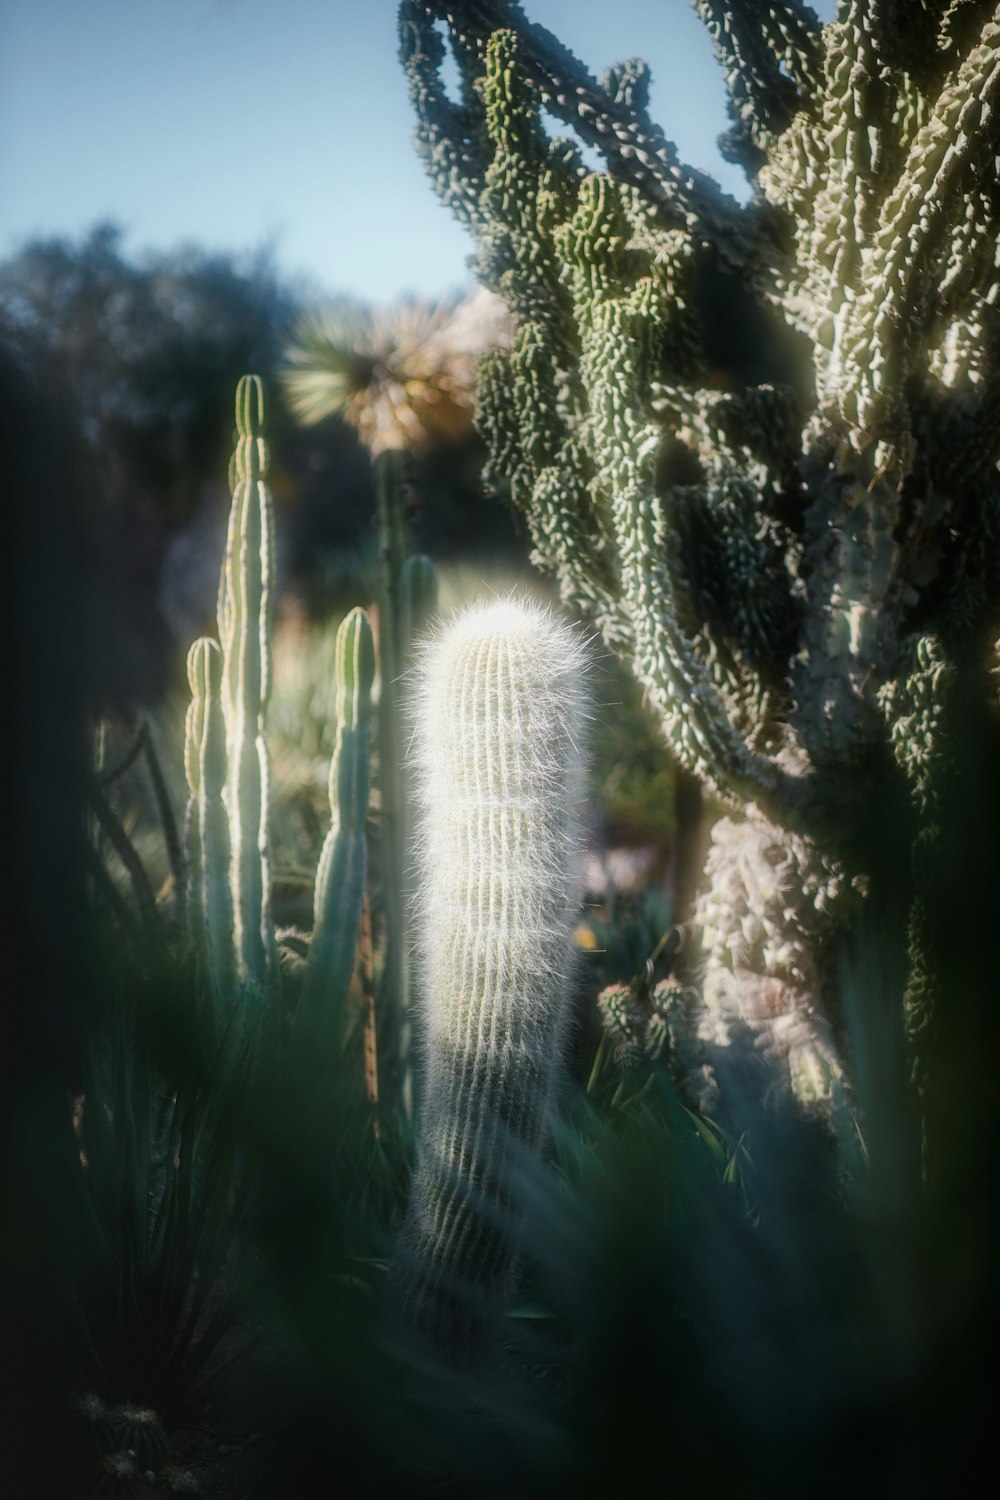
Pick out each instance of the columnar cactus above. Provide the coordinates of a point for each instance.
(209, 901)
(393, 545)
(245, 634)
(757, 445)
(340, 878)
(418, 589)
(226, 762)
(498, 728)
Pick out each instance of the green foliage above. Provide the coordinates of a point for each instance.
(631, 779)
(763, 535)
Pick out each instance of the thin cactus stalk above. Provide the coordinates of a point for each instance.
(209, 899)
(245, 633)
(499, 714)
(756, 444)
(341, 876)
(393, 545)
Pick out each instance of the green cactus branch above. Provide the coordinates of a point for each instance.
(632, 146)
(757, 446)
(770, 57)
(499, 720)
(341, 874)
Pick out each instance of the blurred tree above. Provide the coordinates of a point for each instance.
(147, 354)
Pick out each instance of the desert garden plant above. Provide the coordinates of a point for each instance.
(758, 444)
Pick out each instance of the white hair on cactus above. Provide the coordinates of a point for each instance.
(498, 711)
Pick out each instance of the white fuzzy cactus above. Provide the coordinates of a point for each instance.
(499, 711)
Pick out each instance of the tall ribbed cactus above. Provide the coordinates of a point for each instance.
(758, 445)
(498, 727)
(226, 762)
(210, 902)
(340, 878)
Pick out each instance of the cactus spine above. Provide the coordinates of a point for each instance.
(498, 724)
(340, 878)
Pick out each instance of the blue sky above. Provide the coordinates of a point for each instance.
(231, 122)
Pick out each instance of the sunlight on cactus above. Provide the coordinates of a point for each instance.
(756, 444)
(499, 720)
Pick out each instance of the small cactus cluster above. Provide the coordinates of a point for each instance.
(226, 763)
(757, 444)
(130, 1440)
(640, 1031)
(499, 718)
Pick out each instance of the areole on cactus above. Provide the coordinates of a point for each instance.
(772, 535)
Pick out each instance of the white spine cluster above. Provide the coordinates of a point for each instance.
(499, 712)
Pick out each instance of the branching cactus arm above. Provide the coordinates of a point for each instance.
(340, 878)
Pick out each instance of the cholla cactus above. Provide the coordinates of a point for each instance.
(498, 725)
(209, 900)
(764, 531)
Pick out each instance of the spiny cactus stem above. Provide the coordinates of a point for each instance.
(245, 633)
(498, 734)
(210, 898)
(340, 880)
(370, 1035)
(119, 840)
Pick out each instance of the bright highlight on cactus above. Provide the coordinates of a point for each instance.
(245, 633)
(226, 762)
(499, 717)
(340, 878)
